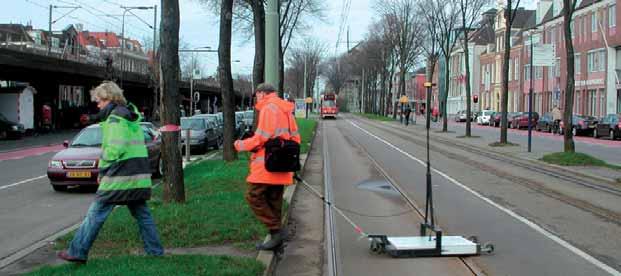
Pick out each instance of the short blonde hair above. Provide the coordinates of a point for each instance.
(108, 90)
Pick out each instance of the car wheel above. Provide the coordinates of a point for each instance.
(59, 188)
(549, 128)
(159, 172)
(612, 135)
(216, 145)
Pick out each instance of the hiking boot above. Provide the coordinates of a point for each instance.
(65, 256)
(275, 241)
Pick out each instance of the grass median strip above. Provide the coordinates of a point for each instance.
(306, 127)
(376, 117)
(576, 159)
(168, 265)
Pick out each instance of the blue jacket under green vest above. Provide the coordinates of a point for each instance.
(124, 172)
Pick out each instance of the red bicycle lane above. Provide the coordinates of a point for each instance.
(34, 151)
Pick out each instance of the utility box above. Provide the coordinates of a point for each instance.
(19, 106)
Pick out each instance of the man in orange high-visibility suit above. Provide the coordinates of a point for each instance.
(265, 189)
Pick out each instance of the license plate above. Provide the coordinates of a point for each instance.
(79, 174)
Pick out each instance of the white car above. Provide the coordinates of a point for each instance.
(484, 117)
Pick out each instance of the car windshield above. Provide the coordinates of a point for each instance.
(89, 137)
(2, 118)
(193, 124)
(329, 104)
(487, 113)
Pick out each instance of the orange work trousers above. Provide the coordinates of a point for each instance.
(265, 200)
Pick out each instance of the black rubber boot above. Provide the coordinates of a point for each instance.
(275, 241)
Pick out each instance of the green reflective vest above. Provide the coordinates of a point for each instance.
(124, 172)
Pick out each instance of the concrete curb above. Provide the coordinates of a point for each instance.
(268, 257)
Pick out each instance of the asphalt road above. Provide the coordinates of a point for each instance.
(533, 234)
(354, 183)
(30, 210)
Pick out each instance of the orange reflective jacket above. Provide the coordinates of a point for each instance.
(275, 120)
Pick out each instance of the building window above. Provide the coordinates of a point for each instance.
(612, 15)
(576, 64)
(517, 69)
(510, 70)
(538, 72)
(594, 22)
(557, 68)
(596, 60)
(527, 72)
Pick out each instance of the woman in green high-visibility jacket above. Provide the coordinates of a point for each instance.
(124, 174)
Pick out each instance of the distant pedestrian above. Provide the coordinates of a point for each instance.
(407, 112)
(124, 175)
(557, 116)
(265, 189)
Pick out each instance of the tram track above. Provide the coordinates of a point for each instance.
(603, 213)
(468, 263)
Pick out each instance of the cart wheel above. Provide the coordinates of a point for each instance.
(376, 247)
(488, 248)
(473, 239)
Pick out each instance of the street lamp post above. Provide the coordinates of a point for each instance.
(125, 11)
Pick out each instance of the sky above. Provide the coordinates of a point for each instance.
(199, 25)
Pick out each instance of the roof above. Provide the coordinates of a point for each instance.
(485, 34)
(524, 18)
(111, 39)
(18, 29)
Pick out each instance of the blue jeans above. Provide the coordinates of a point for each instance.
(95, 218)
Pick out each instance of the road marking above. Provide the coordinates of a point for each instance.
(22, 182)
(529, 223)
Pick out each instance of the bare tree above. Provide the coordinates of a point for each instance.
(403, 31)
(169, 82)
(568, 13)
(294, 18)
(308, 54)
(226, 79)
(335, 71)
(509, 16)
(469, 11)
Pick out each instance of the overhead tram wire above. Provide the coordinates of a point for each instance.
(103, 16)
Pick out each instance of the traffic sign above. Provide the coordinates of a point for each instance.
(196, 74)
(544, 55)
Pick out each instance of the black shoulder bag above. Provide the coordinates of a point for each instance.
(282, 155)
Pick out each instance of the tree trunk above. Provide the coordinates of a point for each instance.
(258, 12)
(504, 96)
(445, 95)
(226, 80)
(568, 139)
(468, 92)
(169, 115)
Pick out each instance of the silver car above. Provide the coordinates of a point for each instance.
(203, 133)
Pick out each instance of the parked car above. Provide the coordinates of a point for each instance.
(484, 117)
(10, 129)
(545, 123)
(240, 123)
(609, 126)
(249, 118)
(460, 116)
(77, 164)
(215, 119)
(521, 120)
(582, 125)
(203, 133)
